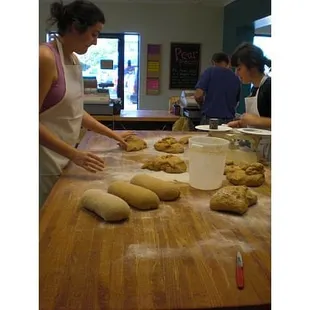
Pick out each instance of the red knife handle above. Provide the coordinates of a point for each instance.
(240, 277)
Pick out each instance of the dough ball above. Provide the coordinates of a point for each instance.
(166, 163)
(230, 168)
(251, 175)
(107, 206)
(229, 162)
(255, 180)
(255, 168)
(243, 165)
(236, 176)
(166, 191)
(251, 197)
(135, 143)
(184, 140)
(136, 196)
(169, 145)
(234, 199)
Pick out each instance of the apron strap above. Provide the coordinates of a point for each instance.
(61, 52)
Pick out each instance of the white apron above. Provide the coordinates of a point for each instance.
(264, 147)
(64, 120)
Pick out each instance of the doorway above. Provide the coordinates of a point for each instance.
(131, 71)
(115, 62)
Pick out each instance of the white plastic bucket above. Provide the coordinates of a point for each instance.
(207, 156)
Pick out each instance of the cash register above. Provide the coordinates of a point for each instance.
(189, 106)
(97, 99)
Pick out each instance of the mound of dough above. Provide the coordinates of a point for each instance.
(135, 143)
(169, 145)
(107, 206)
(251, 197)
(166, 191)
(234, 199)
(251, 175)
(136, 196)
(167, 163)
(184, 140)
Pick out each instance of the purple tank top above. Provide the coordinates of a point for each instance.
(58, 87)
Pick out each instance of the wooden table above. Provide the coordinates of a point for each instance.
(140, 116)
(181, 256)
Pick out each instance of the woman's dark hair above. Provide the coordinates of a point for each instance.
(220, 57)
(80, 13)
(251, 56)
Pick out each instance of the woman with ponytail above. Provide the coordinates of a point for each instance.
(250, 62)
(61, 113)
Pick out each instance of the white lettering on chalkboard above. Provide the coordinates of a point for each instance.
(185, 57)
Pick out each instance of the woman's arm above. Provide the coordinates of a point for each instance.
(91, 123)
(47, 73)
(248, 119)
(264, 122)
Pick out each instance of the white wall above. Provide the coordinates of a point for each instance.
(160, 24)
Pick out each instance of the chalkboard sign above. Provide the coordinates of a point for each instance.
(184, 65)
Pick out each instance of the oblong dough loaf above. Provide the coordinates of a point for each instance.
(111, 208)
(136, 196)
(166, 191)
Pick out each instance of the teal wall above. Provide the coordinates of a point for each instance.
(239, 18)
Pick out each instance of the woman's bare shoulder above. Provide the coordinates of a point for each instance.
(46, 54)
(47, 62)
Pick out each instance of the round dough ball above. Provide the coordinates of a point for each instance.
(111, 208)
(169, 145)
(235, 199)
(167, 163)
(135, 143)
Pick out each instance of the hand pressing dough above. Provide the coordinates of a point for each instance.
(167, 163)
(235, 199)
(169, 145)
(136, 196)
(184, 140)
(166, 191)
(135, 143)
(107, 206)
(251, 175)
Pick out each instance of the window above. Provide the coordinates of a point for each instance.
(264, 42)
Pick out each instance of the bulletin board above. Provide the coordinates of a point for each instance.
(153, 69)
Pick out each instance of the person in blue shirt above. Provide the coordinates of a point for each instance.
(218, 91)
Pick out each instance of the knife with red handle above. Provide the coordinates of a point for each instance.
(239, 271)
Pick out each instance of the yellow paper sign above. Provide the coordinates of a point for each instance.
(153, 66)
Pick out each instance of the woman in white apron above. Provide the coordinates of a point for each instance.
(61, 94)
(250, 63)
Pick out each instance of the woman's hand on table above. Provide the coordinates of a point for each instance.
(234, 124)
(246, 119)
(88, 161)
(250, 119)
